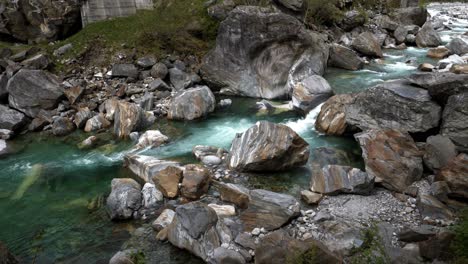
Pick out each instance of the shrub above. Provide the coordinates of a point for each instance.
(322, 12)
(460, 244)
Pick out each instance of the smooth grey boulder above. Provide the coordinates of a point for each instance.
(392, 157)
(159, 71)
(386, 22)
(428, 37)
(396, 105)
(311, 92)
(269, 210)
(439, 150)
(345, 58)
(192, 103)
(124, 200)
(334, 179)
(146, 62)
(455, 121)
(441, 85)
(367, 44)
(260, 50)
(38, 62)
(125, 70)
(33, 90)
(268, 147)
(400, 34)
(457, 46)
(11, 119)
(411, 15)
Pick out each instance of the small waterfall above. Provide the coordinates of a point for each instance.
(307, 123)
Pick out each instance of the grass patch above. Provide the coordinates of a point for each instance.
(460, 244)
(179, 27)
(372, 250)
(307, 257)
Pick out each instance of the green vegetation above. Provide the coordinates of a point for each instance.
(372, 250)
(460, 244)
(322, 12)
(174, 27)
(304, 257)
(138, 257)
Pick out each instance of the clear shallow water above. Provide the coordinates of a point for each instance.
(50, 190)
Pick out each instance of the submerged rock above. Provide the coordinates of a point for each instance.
(124, 200)
(310, 92)
(259, 50)
(334, 179)
(395, 105)
(269, 210)
(392, 157)
(268, 147)
(192, 104)
(455, 120)
(33, 90)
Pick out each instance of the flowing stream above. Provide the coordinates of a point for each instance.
(52, 193)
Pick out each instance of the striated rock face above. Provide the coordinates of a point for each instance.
(394, 105)
(146, 167)
(194, 229)
(392, 157)
(455, 120)
(345, 58)
(367, 44)
(441, 85)
(311, 92)
(332, 117)
(259, 50)
(97, 122)
(269, 210)
(428, 37)
(192, 104)
(11, 119)
(334, 179)
(33, 90)
(455, 173)
(125, 198)
(196, 181)
(268, 147)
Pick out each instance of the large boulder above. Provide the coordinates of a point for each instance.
(125, 70)
(33, 90)
(260, 50)
(130, 117)
(345, 58)
(411, 15)
(441, 85)
(392, 157)
(152, 138)
(367, 44)
(268, 147)
(167, 181)
(311, 92)
(396, 105)
(438, 151)
(269, 210)
(124, 200)
(192, 104)
(332, 117)
(334, 179)
(11, 119)
(145, 167)
(428, 37)
(194, 229)
(455, 120)
(457, 46)
(455, 173)
(196, 181)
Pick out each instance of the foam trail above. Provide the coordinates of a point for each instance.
(307, 123)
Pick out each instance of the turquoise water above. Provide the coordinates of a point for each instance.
(52, 193)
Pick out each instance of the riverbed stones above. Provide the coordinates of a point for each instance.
(74, 93)
(427, 36)
(439, 150)
(441, 85)
(396, 105)
(33, 90)
(223, 210)
(334, 179)
(192, 103)
(125, 70)
(159, 71)
(455, 174)
(163, 220)
(392, 157)
(458, 46)
(311, 198)
(194, 229)
(233, 193)
(124, 200)
(146, 167)
(367, 44)
(11, 119)
(344, 58)
(455, 120)
(82, 116)
(432, 208)
(152, 138)
(167, 181)
(310, 92)
(269, 210)
(62, 126)
(438, 53)
(196, 181)
(268, 147)
(254, 59)
(332, 117)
